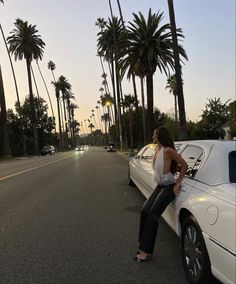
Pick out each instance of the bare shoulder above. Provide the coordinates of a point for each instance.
(170, 151)
(172, 154)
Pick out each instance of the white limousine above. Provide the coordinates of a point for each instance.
(203, 215)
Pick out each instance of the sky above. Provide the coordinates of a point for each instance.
(70, 34)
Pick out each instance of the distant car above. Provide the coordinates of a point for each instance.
(48, 150)
(111, 147)
(80, 148)
(204, 213)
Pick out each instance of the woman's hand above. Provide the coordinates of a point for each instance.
(176, 189)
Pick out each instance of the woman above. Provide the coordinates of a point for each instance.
(165, 163)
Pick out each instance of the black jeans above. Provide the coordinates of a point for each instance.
(152, 209)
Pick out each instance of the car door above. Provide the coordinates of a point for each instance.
(141, 172)
(194, 156)
(135, 165)
(147, 172)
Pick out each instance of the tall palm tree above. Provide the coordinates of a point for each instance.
(45, 85)
(105, 117)
(132, 75)
(3, 120)
(172, 86)
(24, 42)
(150, 47)
(52, 67)
(129, 102)
(72, 107)
(68, 97)
(65, 86)
(57, 86)
(178, 72)
(106, 43)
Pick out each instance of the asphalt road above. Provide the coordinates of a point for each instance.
(72, 218)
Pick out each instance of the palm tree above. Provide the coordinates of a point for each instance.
(24, 42)
(172, 86)
(3, 113)
(52, 67)
(149, 47)
(101, 23)
(107, 45)
(91, 126)
(57, 86)
(65, 86)
(133, 78)
(106, 118)
(129, 102)
(45, 85)
(3, 120)
(71, 109)
(178, 72)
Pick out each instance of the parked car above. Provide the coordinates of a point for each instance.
(204, 214)
(48, 150)
(111, 147)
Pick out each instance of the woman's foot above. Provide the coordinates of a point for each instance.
(142, 256)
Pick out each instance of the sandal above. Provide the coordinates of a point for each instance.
(140, 258)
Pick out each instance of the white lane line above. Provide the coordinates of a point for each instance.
(33, 168)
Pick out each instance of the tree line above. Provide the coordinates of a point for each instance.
(135, 50)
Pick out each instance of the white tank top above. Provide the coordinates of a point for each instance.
(158, 165)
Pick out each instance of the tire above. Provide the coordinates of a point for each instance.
(130, 182)
(194, 253)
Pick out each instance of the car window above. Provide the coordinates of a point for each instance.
(149, 153)
(140, 153)
(193, 155)
(177, 146)
(232, 166)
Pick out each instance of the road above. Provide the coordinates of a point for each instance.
(72, 218)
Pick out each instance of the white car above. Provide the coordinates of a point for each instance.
(203, 215)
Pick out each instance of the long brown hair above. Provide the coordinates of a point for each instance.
(166, 140)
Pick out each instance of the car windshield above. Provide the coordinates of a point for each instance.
(232, 166)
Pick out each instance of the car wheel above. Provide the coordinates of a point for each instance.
(130, 182)
(194, 253)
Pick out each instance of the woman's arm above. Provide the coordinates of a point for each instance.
(173, 155)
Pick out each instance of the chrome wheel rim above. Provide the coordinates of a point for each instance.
(193, 252)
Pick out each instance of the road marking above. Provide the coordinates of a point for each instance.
(34, 168)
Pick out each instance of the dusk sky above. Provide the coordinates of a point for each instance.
(69, 32)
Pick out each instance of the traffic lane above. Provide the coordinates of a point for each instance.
(81, 226)
(15, 165)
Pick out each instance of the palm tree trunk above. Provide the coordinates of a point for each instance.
(150, 104)
(35, 83)
(65, 118)
(112, 74)
(133, 76)
(59, 118)
(117, 88)
(143, 113)
(131, 131)
(46, 89)
(23, 138)
(119, 106)
(33, 115)
(176, 111)
(178, 73)
(3, 119)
